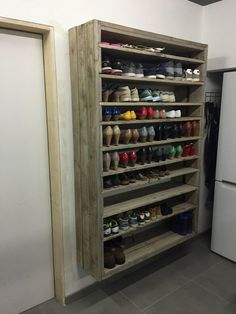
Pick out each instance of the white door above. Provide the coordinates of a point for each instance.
(26, 264)
(223, 239)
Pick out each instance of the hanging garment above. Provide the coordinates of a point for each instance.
(212, 116)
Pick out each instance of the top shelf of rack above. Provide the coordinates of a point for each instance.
(142, 55)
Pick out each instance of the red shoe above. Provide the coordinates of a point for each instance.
(142, 114)
(132, 158)
(192, 151)
(186, 150)
(150, 113)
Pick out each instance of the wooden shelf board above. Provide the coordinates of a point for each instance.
(150, 55)
(147, 249)
(153, 164)
(148, 121)
(177, 209)
(152, 198)
(153, 104)
(144, 184)
(146, 144)
(149, 80)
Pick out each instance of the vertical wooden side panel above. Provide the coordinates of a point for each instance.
(86, 82)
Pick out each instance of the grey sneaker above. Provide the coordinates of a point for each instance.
(169, 70)
(178, 71)
(129, 69)
(139, 70)
(196, 75)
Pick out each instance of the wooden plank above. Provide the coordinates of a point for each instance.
(145, 55)
(153, 104)
(155, 246)
(148, 121)
(87, 144)
(144, 184)
(146, 144)
(24, 26)
(153, 164)
(143, 80)
(177, 209)
(147, 199)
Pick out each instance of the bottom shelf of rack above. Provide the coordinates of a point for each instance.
(147, 249)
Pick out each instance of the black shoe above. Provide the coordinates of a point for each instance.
(158, 130)
(116, 67)
(164, 132)
(107, 183)
(106, 65)
(149, 151)
(166, 210)
(115, 181)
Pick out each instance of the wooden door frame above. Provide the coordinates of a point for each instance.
(52, 117)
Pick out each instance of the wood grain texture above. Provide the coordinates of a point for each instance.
(147, 200)
(85, 82)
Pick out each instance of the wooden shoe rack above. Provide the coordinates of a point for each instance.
(180, 188)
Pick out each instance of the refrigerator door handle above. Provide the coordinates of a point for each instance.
(228, 183)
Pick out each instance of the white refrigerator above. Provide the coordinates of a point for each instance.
(224, 215)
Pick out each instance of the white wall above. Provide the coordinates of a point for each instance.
(219, 24)
(179, 18)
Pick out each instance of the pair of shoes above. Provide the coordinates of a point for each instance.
(149, 95)
(124, 93)
(111, 182)
(170, 70)
(128, 115)
(109, 66)
(145, 112)
(113, 254)
(189, 150)
(174, 152)
(175, 130)
(183, 223)
(166, 96)
(128, 158)
(144, 216)
(145, 155)
(155, 212)
(111, 135)
(173, 114)
(132, 70)
(147, 134)
(166, 210)
(111, 114)
(192, 75)
(190, 128)
(110, 226)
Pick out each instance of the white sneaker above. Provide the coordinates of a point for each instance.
(170, 114)
(196, 75)
(188, 75)
(171, 97)
(178, 113)
(164, 96)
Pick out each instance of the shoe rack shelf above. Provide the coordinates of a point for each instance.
(177, 209)
(153, 181)
(179, 188)
(146, 144)
(159, 104)
(151, 81)
(147, 56)
(152, 164)
(151, 121)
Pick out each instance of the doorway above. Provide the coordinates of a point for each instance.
(30, 206)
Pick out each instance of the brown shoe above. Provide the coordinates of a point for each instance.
(109, 260)
(119, 255)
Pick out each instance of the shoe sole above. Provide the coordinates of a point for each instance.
(178, 78)
(116, 72)
(151, 76)
(189, 79)
(134, 99)
(160, 76)
(170, 77)
(148, 98)
(139, 75)
(125, 99)
(196, 80)
(155, 99)
(128, 74)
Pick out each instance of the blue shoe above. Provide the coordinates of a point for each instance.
(169, 69)
(160, 71)
(156, 95)
(145, 95)
(178, 71)
(150, 72)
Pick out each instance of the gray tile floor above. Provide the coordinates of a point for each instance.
(188, 280)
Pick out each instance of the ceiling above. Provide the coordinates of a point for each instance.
(204, 2)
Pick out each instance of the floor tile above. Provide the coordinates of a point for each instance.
(197, 260)
(190, 299)
(221, 280)
(99, 303)
(148, 289)
(34, 310)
